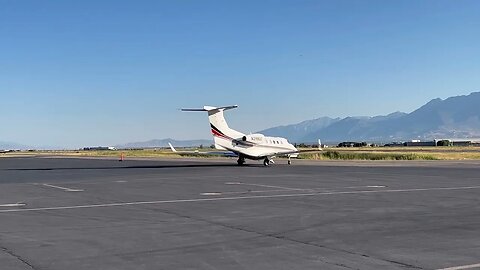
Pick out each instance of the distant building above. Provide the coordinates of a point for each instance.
(462, 142)
(420, 143)
(412, 143)
(437, 142)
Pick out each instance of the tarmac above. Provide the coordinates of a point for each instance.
(73, 213)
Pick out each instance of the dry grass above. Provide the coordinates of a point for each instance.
(399, 153)
(364, 153)
(147, 153)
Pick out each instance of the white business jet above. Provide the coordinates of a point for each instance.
(252, 146)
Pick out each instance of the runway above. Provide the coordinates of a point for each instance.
(72, 213)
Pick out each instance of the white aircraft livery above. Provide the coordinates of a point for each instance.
(252, 146)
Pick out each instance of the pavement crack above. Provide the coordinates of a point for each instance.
(279, 236)
(18, 257)
(404, 264)
(337, 264)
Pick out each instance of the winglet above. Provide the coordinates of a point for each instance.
(171, 147)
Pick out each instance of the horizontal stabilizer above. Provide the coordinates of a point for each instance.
(210, 108)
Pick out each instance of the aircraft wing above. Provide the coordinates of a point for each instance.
(294, 152)
(206, 153)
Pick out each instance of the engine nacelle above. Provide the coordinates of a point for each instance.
(254, 138)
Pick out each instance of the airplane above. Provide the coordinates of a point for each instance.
(196, 152)
(5, 151)
(251, 146)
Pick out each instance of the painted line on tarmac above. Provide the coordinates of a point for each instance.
(12, 204)
(233, 198)
(261, 185)
(471, 266)
(63, 188)
(375, 186)
(218, 193)
(211, 193)
(250, 191)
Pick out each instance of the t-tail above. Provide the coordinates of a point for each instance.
(223, 135)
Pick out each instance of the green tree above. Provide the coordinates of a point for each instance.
(444, 143)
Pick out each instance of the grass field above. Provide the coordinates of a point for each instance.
(364, 153)
(398, 153)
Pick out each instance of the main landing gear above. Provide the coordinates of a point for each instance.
(241, 161)
(267, 161)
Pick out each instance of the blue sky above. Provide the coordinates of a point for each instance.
(78, 73)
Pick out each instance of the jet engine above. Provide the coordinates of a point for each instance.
(254, 138)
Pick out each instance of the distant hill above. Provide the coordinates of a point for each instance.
(297, 132)
(13, 146)
(164, 143)
(454, 117)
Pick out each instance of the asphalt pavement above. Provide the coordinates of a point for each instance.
(72, 213)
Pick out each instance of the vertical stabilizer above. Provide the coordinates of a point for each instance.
(172, 148)
(221, 132)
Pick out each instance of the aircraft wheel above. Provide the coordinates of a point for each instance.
(241, 161)
(289, 162)
(266, 162)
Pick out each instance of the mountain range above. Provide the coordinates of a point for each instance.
(454, 117)
(11, 146)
